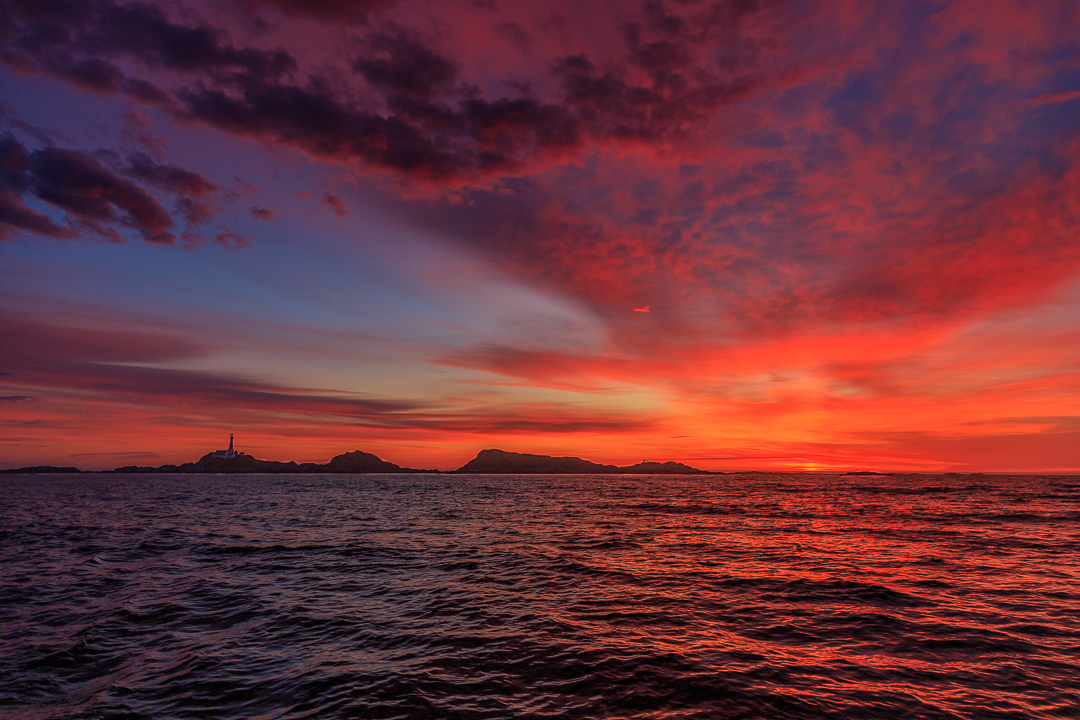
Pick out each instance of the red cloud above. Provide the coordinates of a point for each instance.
(815, 214)
(336, 204)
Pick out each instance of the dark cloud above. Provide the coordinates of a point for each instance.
(70, 38)
(330, 11)
(146, 93)
(400, 64)
(85, 188)
(424, 140)
(14, 164)
(318, 122)
(92, 194)
(104, 78)
(95, 75)
(15, 181)
(669, 24)
(169, 177)
(419, 117)
(14, 214)
(144, 32)
(191, 187)
(262, 213)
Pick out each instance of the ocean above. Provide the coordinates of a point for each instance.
(443, 596)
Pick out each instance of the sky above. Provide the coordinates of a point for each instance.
(801, 235)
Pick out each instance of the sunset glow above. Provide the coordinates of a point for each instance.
(771, 234)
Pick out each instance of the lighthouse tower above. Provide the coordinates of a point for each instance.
(230, 453)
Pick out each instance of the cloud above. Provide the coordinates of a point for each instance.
(262, 213)
(191, 187)
(93, 196)
(399, 64)
(87, 190)
(14, 164)
(428, 128)
(329, 11)
(15, 215)
(425, 140)
(169, 177)
(643, 309)
(232, 240)
(767, 178)
(1054, 98)
(798, 203)
(516, 35)
(125, 368)
(120, 364)
(334, 203)
(552, 368)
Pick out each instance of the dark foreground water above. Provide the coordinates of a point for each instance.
(406, 596)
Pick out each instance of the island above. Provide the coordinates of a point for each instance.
(501, 462)
(354, 462)
(486, 462)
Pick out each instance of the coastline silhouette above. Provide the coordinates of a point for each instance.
(486, 462)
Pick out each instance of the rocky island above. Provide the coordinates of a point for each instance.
(486, 462)
(501, 462)
(350, 462)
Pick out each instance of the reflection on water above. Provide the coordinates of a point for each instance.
(539, 596)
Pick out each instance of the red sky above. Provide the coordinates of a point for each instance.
(422, 229)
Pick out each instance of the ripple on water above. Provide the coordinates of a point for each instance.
(539, 596)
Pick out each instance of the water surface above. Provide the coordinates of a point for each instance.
(425, 596)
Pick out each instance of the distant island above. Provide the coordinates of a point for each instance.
(351, 462)
(486, 462)
(500, 462)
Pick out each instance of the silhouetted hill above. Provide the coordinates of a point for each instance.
(500, 461)
(350, 462)
(362, 462)
(503, 462)
(485, 462)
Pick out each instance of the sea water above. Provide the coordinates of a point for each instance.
(447, 596)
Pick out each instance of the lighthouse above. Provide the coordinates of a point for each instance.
(228, 454)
